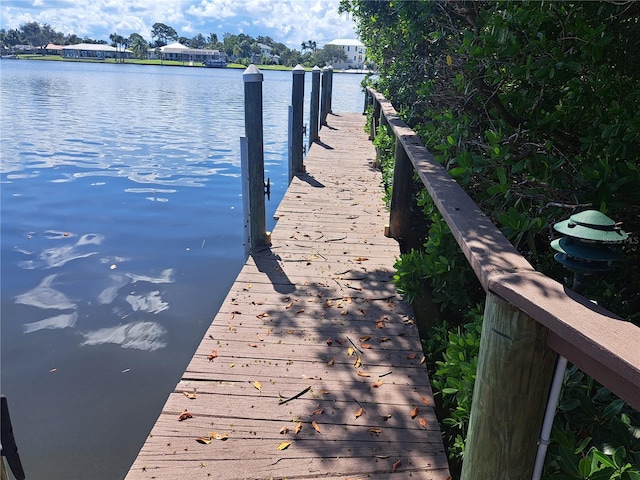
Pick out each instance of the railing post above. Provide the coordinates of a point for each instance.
(325, 96)
(375, 118)
(515, 369)
(315, 105)
(297, 122)
(330, 94)
(400, 214)
(253, 174)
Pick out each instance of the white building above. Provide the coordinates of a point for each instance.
(96, 51)
(355, 50)
(178, 52)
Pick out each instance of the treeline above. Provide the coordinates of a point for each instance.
(533, 107)
(241, 48)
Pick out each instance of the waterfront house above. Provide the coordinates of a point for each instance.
(181, 53)
(95, 51)
(355, 50)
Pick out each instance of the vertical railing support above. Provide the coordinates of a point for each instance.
(297, 121)
(325, 96)
(375, 118)
(314, 105)
(330, 93)
(400, 213)
(253, 174)
(515, 369)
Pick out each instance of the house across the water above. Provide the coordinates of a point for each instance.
(356, 53)
(180, 53)
(96, 51)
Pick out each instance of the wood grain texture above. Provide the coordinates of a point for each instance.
(316, 309)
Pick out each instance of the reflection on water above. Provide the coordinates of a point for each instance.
(121, 235)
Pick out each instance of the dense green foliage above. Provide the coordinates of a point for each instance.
(533, 107)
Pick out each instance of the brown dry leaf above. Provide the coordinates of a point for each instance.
(190, 395)
(232, 328)
(212, 355)
(257, 384)
(414, 412)
(329, 341)
(377, 384)
(422, 422)
(315, 426)
(317, 411)
(262, 315)
(260, 337)
(300, 311)
(284, 430)
(219, 436)
(396, 466)
(253, 345)
(184, 415)
(332, 361)
(284, 445)
(297, 428)
(366, 346)
(425, 400)
(359, 412)
(364, 338)
(375, 431)
(384, 339)
(358, 362)
(204, 440)
(362, 374)
(411, 356)
(361, 259)
(379, 324)
(288, 305)
(423, 359)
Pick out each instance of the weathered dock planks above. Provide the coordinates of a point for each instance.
(317, 314)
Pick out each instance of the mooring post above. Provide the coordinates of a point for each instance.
(297, 104)
(400, 211)
(324, 97)
(253, 174)
(315, 105)
(330, 93)
(515, 369)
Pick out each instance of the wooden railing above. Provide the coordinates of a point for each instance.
(529, 318)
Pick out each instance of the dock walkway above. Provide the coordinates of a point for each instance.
(313, 366)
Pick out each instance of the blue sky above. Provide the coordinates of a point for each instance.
(288, 21)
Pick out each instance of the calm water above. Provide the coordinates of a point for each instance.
(121, 233)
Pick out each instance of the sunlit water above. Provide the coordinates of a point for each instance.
(121, 233)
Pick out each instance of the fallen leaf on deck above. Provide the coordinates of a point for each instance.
(423, 359)
(411, 356)
(317, 411)
(212, 355)
(364, 338)
(361, 259)
(204, 440)
(232, 328)
(297, 428)
(396, 466)
(414, 412)
(384, 339)
(380, 324)
(332, 361)
(375, 431)
(329, 341)
(300, 311)
(284, 445)
(425, 400)
(359, 412)
(377, 384)
(315, 426)
(422, 422)
(253, 345)
(219, 436)
(262, 315)
(190, 395)
(184, 415)
(288, 305)
(362, 374)
(350, 351)
(284, 430)
(358, 362)
(258, 385)
(366, 346)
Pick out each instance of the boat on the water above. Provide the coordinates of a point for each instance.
(211, 63)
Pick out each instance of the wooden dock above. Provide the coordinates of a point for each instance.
(313, 366)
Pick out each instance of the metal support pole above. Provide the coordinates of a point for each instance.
(297, 104)
(254, 173)
(315, 105)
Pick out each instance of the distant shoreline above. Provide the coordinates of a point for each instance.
(164, 63)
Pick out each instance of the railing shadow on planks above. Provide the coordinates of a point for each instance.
(530, 320)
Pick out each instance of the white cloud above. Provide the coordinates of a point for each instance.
(45, 296)
(147, 336)
(59, 321)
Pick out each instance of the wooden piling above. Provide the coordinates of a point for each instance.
(515, 369)
(400, 213)
(297, 104)
(314, 105)
(252, 78)
(324, 97)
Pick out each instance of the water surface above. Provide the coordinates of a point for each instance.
(121, 232)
